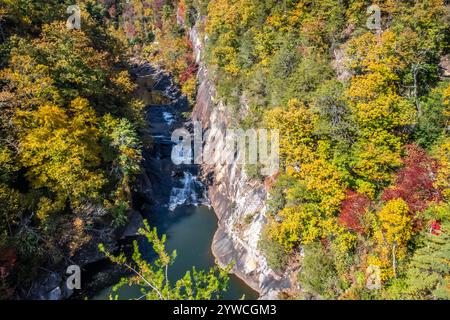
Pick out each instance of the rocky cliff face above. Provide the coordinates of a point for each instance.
(239, 202)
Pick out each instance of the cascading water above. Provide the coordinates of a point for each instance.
(179, 205)
(169, 118)
(187, 194)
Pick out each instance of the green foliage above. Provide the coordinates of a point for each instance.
(120, 213)
(120, 136)
(432, 122)
(69, 145)
(318, 273)
(11, 210)
(28, 16)
(253, 171)
(427, 276)
(347, 102)
(274, 252)
(152, 30)
(65, 65)
(153, 276)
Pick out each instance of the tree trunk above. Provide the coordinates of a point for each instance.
(416, 91)
(394, 260)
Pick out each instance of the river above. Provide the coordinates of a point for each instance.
(179, 205)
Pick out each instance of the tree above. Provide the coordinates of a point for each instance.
(297, 225)
(153, 277)
(55, 172)
(380, 111)
(432, 124)
(122, 152)
(297, 124)
(62, 152)
(62, 65)
(442, 152)
(28, 16)
(415, 181)
(318, 273)
(120, 137)
(225, 20)
(353, 209)
(392, 233)
(428, 272)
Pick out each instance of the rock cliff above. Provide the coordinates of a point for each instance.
(239, 202)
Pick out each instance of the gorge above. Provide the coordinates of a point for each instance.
(93, 108)
(232, 196)
(229, 193)
(172, 198)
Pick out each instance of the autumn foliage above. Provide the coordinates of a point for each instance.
(69, 143)
(414, 182)
(353, 209)
(363, 117)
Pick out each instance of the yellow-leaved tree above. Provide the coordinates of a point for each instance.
(61, 151)
(380, 111)
(392, 231)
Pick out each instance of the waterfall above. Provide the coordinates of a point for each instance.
(168, 118)
(187, 194)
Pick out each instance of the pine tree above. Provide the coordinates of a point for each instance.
(428, 276)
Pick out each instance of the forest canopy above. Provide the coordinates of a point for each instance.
(363, 115)
(69, 135)
(363, 112)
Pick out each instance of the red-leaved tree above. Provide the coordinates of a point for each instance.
(353, 209)
(191, 67)
(414, 182)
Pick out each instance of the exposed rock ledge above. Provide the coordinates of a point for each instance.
(235, 198)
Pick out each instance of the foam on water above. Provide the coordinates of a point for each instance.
(168, 117)
(187, 194)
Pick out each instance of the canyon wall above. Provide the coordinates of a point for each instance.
(239, 202)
